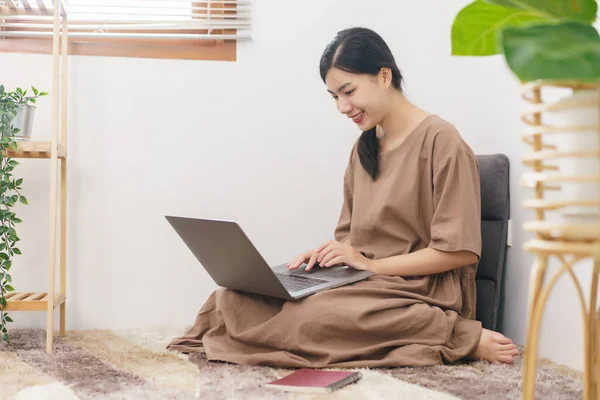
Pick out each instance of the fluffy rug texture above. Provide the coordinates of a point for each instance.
(133, 364)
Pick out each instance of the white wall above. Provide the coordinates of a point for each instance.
(258, 141)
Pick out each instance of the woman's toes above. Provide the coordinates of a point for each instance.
(507, 347)
(505, 358)
(508, 353)
(500, 338)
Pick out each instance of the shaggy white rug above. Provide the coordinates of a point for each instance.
(133, 364)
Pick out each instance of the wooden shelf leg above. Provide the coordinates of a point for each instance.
(52, 256)
(591, 362)
(53, 178)
(63, 244)
(63, 180)
(591, 339)
(597, 359)
(536, 282)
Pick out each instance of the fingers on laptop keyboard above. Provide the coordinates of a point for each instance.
(312, 262)
(299, 260)
(296, 262)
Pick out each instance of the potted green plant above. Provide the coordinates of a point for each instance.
(540, 39)
(546, 41)
(19, 108)
(11, 104)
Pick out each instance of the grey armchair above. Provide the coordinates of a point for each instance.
(495, 213)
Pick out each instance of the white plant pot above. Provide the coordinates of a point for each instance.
(24, 122)
(572, 141)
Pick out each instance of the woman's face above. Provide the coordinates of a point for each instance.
(360, 97)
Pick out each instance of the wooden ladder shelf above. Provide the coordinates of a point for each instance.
(55, 151)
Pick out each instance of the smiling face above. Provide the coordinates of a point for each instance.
(361, 97)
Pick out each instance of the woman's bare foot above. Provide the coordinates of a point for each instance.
(495, 347)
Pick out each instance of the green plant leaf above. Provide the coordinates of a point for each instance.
(578, 10)
(2, 302)
(9, 288)
(6, 338)
(8, 278)
(2, 275)
(569, 51)
(17, 251)
(3, 256)
(9, 319)
(35, 91)
(19, 181)
(475, 28)
(23, 200)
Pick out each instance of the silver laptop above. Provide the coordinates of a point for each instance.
(233, 262)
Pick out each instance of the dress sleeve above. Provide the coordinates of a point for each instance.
(342, 230)
(456, 222)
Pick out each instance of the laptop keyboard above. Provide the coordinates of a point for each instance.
(294, 283)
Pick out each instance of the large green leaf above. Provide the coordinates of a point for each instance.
(475, 27)
(580, 10)
(568, 50)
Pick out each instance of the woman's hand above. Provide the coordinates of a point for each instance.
(333, 253)
(310, 255)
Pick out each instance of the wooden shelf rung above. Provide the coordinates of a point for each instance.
(544, 167)
(31, 7)
(556, 230)
(33, 149)
(531, 178)
(555, 247)
(20, 296)
(551, 187)
(31, 301)
(547, 155)
(9, 11)
(35, 297)
(29, 297)
(555, 205)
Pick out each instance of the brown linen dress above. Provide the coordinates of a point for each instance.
(427, 195)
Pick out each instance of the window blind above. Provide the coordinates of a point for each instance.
(157, 21)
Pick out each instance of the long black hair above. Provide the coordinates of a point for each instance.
(362, 51)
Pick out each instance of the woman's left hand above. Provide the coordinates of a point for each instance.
(332, 253)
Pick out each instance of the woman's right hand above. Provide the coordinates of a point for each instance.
(310, 257)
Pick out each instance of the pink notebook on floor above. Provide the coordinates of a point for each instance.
(314, 380)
